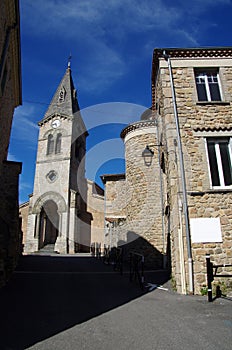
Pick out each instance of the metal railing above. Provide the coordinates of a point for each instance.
(114, 257)
(211, 273)
(106, 255)
(117, 259)
(95, 250)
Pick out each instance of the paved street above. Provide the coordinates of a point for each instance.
(80, 303)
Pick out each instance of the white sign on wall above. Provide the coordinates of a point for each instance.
(205, 230)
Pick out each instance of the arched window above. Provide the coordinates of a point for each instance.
(62, 95)
(58, 143)
(50, 146)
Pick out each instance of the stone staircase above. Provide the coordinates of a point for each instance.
(48, 249)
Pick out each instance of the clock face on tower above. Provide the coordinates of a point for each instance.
(56, 123)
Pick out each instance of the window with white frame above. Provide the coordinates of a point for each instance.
(208, 85)
(220, 160)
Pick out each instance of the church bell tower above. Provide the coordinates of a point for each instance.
(56, 206)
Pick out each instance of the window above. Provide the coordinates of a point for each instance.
(52, 176)
(162, 162)
(220, 156)
(50, 146)
(62, 95)
(208, 85)
(58, 143)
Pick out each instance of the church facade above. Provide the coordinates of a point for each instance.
(58, 215)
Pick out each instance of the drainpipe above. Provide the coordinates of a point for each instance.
(181, 250)
(182, 173)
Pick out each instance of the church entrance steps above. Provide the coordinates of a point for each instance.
(48, 249)
(83, 255)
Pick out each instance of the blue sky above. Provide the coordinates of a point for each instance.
(111, 43)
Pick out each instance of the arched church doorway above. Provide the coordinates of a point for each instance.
(49, 223)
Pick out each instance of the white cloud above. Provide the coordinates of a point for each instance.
(104, 67)
(72, 18)
(25, 185)
(101, 31)
(201, 5)
(190, 38)
(25, 189)
(85, 18)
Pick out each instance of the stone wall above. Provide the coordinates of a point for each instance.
(115, 232)
(10, 97)
(116, 198)
(23, 215)
(10, 233)
(217, 205)
(95, 206)
(7, 93)
(115, 211)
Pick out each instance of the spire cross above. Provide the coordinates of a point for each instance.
(69, 60)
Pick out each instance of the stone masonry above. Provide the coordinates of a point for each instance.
(144, 217)
(136, 201)
(198, 121)
(10, 98)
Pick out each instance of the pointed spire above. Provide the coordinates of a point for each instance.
(64, 101)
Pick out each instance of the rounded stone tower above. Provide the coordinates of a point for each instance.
(144, 213)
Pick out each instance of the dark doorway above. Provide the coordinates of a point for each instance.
(49, 223)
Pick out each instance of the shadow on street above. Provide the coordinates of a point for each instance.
(49, 294)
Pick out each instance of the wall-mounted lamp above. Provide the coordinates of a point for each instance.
(147, 155)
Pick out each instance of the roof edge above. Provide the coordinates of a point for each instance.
(112, 177)
(191, 52)
(217, 51)
(137, 125)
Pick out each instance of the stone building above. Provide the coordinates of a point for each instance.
(23, 217)
(115, 203)
(65, 213)
(10, 97)
(178, 179)
(133, 201)
(95, 206)
(191, 98)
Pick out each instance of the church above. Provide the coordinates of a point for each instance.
(65, 212)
